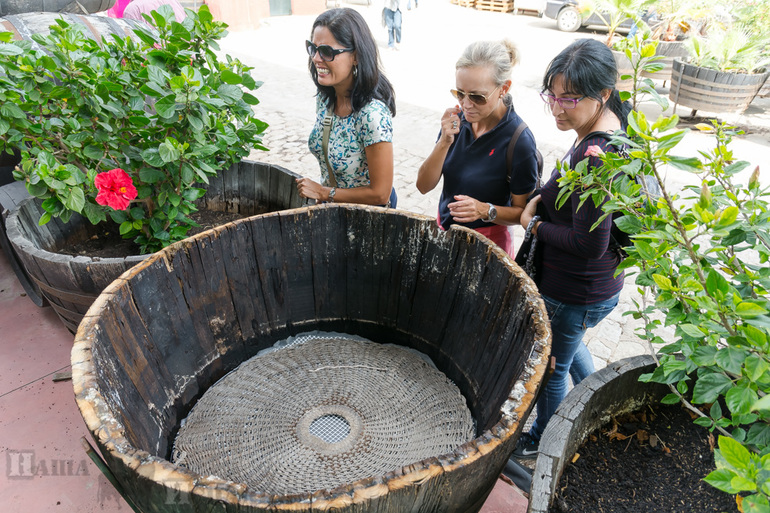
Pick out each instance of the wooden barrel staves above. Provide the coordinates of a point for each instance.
(173, 325)
(711, 90)
(669, 50)
(29, 6)
(72, 283)
(23, 26)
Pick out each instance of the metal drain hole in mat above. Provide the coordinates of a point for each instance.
(322, 414)
(330, 428)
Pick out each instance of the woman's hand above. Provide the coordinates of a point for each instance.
(309, 189)
(450, 125)
(466, 209)
(529, 211)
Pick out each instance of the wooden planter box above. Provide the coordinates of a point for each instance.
(713, 91)
(72, 283)
(609, 392)
(173, 325)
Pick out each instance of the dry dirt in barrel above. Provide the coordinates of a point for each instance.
(108, 243)
(652, 461)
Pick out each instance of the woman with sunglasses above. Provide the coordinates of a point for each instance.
(471, 149)
(357, 102)
(578, 282)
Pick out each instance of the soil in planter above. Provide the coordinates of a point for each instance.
(108, 243)
(652, 461)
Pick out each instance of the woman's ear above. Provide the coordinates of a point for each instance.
(506, 87)
(606, 93)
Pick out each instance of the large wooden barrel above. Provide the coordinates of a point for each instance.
(25, 25)
(669, 50)
(72, 283)
(21, 6)
(711, 90)
(172, 326)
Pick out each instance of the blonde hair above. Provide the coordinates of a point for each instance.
(499, 56)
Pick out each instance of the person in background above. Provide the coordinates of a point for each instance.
(136, 8)
(471, 149)
(359, 103)
(393, 23)
(578, 284)
(116, 11)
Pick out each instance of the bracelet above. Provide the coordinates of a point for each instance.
(332, 192)
(531, 225)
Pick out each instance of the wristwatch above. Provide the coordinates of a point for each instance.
(491, 213)
(332, 192)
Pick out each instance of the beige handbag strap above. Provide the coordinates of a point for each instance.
(327, 122)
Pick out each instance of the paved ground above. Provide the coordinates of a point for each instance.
(422, 73)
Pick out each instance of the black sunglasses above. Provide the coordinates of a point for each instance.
(326, 52)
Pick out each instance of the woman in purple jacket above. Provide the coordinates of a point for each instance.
(578, 282)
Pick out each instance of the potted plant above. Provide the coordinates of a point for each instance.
(700, 261)
(725, 70)
(127, 131)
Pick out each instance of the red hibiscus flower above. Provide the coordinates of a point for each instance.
(116, 190)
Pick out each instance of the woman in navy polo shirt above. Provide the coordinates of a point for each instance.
(360, 103)
(578, 282)
(471, 149)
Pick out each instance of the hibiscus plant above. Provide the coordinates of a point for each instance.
(700, 260)
(128, 128)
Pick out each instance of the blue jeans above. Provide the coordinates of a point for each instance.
(568, 325)
(393, 23)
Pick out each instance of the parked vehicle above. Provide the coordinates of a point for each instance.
(569, 16)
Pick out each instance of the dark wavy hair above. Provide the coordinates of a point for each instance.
(588, 67)
(351, 31)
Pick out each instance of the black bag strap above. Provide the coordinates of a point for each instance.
(511, 145)
(509, 155)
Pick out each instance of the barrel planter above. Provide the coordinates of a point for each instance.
(612, 391)
(23, 26)
(669, 50)
(711, 90)
(172, 326)
(27, 6)
(71, 283)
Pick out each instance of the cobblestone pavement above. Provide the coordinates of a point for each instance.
(422, 72)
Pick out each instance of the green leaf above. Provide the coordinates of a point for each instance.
(166, 106)
(670, 399)
(11, 110)
(741, 484)
(715, 282)
(709, 387)
(151, 175)
(722, 480)
(168, 153)
(729, 216)
(731, 359)
(759, 434)
(152, 157)
(663, 282)
(704, 356)
(747, 309)
(692, 331)
(75, 200)
(228, 77)
(93, 151)
(94, 213)
(733, 453)
(740, 399)
(230, 93)
(126, 227)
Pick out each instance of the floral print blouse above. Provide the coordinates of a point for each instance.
(349, 137)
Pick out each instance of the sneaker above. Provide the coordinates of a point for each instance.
(526, 447)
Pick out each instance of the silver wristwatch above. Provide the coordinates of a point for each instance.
(332, 192)
(491, 213)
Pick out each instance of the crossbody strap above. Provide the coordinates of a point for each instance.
(511, 145)
(327, 123)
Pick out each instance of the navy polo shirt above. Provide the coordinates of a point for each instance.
(477, 167)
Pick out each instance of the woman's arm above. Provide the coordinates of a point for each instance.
(429, 173)
(466, 210)
(380, 159)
